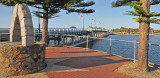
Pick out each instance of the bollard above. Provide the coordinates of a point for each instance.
(110, 46)
(34, 37)
(87, 42)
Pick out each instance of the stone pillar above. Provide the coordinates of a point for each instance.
(15, 27)
(22, 24)
(20, 58)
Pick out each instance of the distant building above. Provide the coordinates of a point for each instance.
(73, 27)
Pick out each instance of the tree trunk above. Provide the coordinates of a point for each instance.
(45, 27)
(144, 38)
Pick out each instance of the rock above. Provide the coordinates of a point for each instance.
(20, 60)
(0, 54)
(29, 59)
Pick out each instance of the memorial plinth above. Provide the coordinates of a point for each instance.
(21, 55)
(16, 59)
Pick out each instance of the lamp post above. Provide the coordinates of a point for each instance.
(39, 28)
(83, 25)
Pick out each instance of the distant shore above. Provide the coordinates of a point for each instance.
(117, 33)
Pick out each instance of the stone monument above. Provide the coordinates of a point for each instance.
(21, 55)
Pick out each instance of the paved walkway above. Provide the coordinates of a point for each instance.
(70, 62)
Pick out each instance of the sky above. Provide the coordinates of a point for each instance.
(105, 15)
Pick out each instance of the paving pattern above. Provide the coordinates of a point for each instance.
(71, 62)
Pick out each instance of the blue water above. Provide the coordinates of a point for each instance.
(126, 49)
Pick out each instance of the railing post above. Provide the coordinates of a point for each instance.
(0, 37)
(73, 40)
(135, 51)
(63, 39)
(87, 42)
(35, 37)
(110, 45)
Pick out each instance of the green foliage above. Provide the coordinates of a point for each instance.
(54, 6)
(51, 6)
(151, 20)
(154, 2)
(13, 2)
(81, 10)
(52, 13)
(154, 20)
(91, 27)
(84, 4)
(154, 14)
(98, 27)
(119, 3)
(129, 30)
(138, 10)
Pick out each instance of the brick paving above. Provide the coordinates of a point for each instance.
(84, 63)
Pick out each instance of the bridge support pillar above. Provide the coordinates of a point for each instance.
(63, 38)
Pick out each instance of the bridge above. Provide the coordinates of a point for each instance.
(62, 36)
(70, 30)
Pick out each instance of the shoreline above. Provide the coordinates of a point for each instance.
(137, 34)
(130, 59)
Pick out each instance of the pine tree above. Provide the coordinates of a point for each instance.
(14, 2)
(141, 8)
(51, 8)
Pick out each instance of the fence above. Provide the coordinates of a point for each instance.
(128, 49)
(111, 44)
(4, 36)
(124, 48)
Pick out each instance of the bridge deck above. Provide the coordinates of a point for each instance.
(71, 62)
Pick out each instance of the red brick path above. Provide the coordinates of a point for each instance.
(97, 64)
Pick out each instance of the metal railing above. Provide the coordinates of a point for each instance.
(126, 43)
(4, 37)
(112, 44)
(128, 49)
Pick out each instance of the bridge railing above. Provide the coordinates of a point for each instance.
(57, 31)
(4, 37)
(68, 30)
(62, 30)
